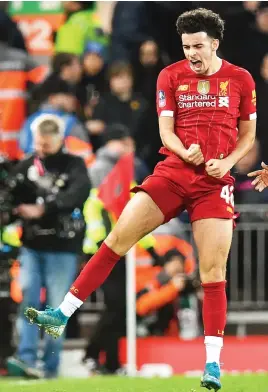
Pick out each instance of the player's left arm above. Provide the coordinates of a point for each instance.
(247, 123)
(246, 138)
(246, 131)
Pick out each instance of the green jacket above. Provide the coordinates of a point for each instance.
(81, 27)
(99, 223)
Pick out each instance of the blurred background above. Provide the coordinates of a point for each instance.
(89, 69)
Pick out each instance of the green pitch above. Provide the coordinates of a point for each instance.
(246, 383)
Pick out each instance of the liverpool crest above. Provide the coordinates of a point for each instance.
(203, 86)
(223, 88)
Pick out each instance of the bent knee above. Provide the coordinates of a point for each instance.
(117, 243)
(212, 273)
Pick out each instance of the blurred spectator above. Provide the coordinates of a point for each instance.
(264, 68)
(147, 69)
(251, 6)
(170, 236)
(157, 289)
(94, 82)
(17, 71)
(65, 67)
(81, 28)
(49, 202)
(60, 106)
(120, 105)
(15, 38)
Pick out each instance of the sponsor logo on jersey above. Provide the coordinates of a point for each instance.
(223, 102)
(188, 101)
(183, 87)
(254, 97)
(161, 98)
(203, 86)
(223, 88)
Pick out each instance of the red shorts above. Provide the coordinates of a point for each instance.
(176, 186)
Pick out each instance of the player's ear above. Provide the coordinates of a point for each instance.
(215, 44)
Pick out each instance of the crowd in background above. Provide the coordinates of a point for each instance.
(103, 76)
(100, 78)
(100, 88)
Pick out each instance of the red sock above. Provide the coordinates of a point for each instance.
(95, 272)
(214, 308)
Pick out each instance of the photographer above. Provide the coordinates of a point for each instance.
(49, 196)
(161, 290)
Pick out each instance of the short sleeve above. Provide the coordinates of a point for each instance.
(248, 99)
(165, 99)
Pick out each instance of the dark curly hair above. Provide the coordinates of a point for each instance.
(201, 19)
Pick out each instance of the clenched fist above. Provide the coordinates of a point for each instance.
(194, 155)
(217, 167)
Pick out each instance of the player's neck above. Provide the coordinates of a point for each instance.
(215, 66)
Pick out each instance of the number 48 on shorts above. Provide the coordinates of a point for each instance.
(227, 194)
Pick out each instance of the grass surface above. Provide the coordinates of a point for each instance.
(241, 383)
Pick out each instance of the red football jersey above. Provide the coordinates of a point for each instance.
(206, 109)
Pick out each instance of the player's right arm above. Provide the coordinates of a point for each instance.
(166, 108)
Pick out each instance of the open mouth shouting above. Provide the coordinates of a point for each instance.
(196, 65)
